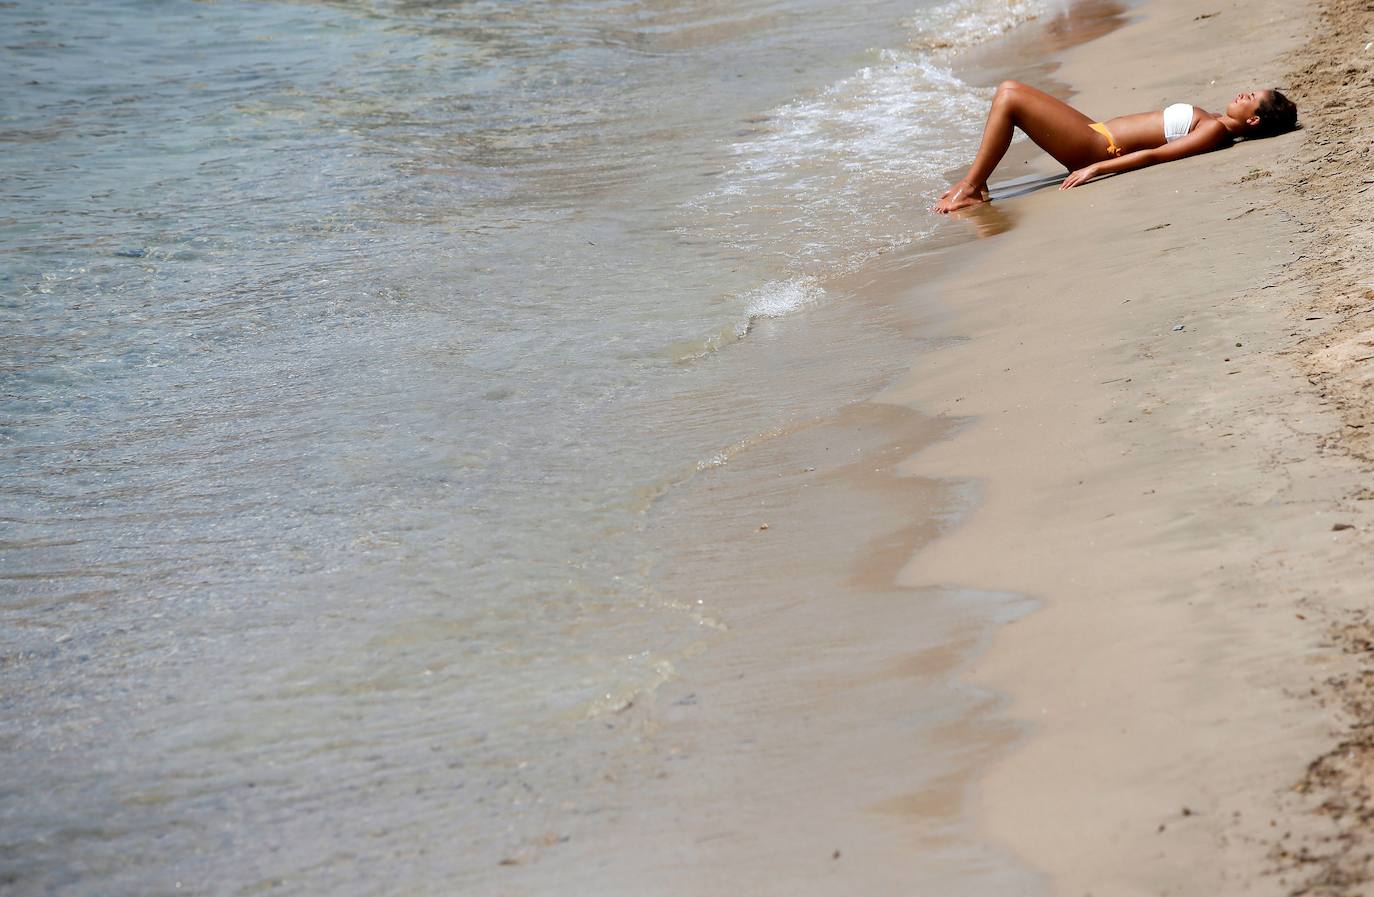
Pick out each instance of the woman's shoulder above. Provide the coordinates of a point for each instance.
(1212, 128)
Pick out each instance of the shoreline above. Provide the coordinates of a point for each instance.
(825, 730)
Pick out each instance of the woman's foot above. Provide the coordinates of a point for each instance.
(961, 196)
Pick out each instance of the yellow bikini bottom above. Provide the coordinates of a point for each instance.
(1112, 148)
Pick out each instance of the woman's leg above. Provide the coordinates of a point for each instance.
(1055, 126)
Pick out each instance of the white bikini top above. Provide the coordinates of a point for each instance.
(1178, 121)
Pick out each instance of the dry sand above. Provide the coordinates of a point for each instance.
(1160, 472)
(1325, 184)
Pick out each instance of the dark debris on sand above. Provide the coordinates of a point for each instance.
(1327, 187)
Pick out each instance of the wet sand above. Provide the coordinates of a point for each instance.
(823, 740)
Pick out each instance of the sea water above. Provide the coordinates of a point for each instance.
(347, 347)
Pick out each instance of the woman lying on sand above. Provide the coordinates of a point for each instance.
(1088, 148)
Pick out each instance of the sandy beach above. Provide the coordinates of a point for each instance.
(1170, 426)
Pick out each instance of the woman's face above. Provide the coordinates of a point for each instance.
(1246, 104)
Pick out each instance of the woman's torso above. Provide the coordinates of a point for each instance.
(1145, 130)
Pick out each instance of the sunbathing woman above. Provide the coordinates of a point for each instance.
(1088, 148)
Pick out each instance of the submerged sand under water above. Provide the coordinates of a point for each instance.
(346, 406)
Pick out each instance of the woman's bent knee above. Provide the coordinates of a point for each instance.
(1009, 95)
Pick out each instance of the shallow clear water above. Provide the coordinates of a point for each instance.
(345, 349)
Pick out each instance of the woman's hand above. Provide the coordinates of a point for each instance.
(1080, 176)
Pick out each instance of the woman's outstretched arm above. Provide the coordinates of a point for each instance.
(1207, 136)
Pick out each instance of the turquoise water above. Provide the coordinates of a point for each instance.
(346, 348)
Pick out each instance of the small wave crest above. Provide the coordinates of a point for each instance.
(770, 300)
(961, 24)
(778, 297)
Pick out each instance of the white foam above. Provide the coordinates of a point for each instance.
(833, 178)
(778, 297)
(840, 175)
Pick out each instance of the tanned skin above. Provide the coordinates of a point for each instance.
(1068, 136)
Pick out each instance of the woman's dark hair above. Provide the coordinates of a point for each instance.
(1277, 115)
